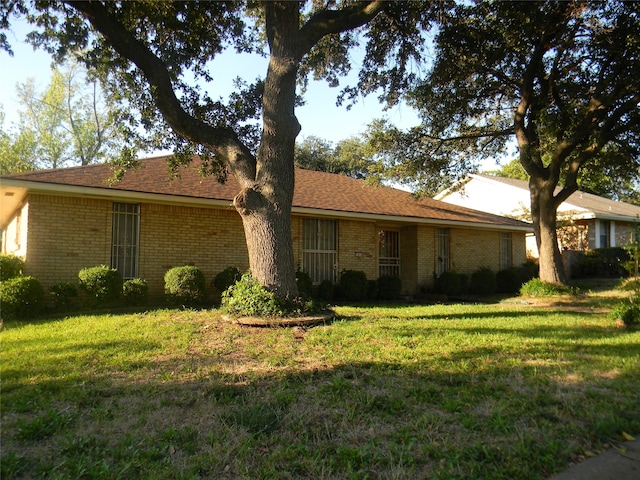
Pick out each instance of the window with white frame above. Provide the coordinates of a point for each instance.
(506, 255)
(389, 253)
(319, 249)
(125, 239)
(442, 250)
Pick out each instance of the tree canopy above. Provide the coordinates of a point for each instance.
(66, 124)
(559, 78)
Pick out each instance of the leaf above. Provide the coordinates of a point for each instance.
(628, 437)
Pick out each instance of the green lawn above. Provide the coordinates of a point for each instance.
(503, 390)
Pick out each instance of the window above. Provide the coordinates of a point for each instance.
(319, 252)
(506, 259)
(605, 232)
(125, 239)
(442, 250)
(389, 253)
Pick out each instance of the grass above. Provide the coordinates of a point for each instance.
(502, 390)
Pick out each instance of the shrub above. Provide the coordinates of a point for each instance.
(305, 285)
(538, 288)
(353, 285)
(630, 284)
(511, 279)
(63, 294)
(135, 291)
(451, 283)
(389, 287)
(628, 311)
(226, 278)
(102, 283)
(483, 282)
(21, 297)
(326, 290)
(604, 262)
(10, 267)
(248, 298)
(185, 285)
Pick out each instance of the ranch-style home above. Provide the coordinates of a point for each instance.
(586, 221)
(63, 220)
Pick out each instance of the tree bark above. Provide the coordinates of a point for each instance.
(265, 204)
(544, 216)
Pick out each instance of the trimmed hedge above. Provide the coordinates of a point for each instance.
(389, 287)
(451, 283)
(10, 267)
(226, 278)
(353, 285)
(63, 295)
(21, 297)
(102, 283)
(185, 285)
(305, 284)
(483, 282)
(135, 292)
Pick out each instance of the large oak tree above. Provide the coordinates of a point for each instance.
(560, 78)
(157, 56)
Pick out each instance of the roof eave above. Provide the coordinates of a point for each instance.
(128, 195)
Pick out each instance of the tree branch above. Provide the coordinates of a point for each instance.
(329, 22)
(223, 142)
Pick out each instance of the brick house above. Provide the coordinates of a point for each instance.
(63, 220)
(586, 221)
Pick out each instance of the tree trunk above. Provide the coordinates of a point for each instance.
(265, 203)
(544, 216)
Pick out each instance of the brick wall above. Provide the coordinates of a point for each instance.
(66, 234)
(358, 247)
(172, 236)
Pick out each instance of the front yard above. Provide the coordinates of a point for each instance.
(503, 390)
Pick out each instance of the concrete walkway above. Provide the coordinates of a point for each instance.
(621, 462)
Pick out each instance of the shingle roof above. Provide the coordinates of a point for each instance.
(313, 190)
(593, 203)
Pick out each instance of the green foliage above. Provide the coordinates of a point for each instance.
(185, 285)
(483, 282)
(102, 283)
(63, 295)
(389, 287)
(135, 291)
(11, 266)
(628, 311)
(353, 285)
(248, 298)
(538, 288)
(451, 283)
(67, 123)
(21, 297)
(351, 157)
(604, 262)
(326, 290)
(226, 278)
(305, 284)
(510, 280)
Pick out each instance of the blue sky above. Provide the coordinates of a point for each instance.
(319, 116)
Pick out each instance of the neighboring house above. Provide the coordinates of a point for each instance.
(63, 220)
(586, 221)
